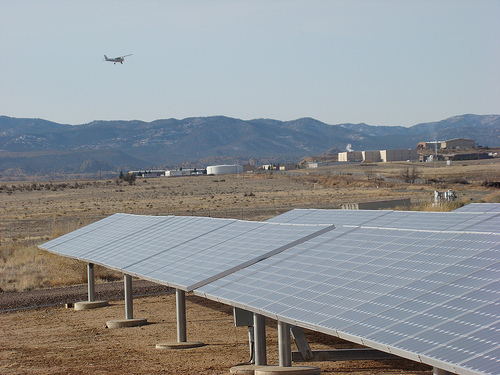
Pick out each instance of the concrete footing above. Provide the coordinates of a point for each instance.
(126, 323)
(87, 305)
(179, 345)
(275, 370)
(243, 369)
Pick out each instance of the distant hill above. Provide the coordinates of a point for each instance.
(112, 145)
(66, 162)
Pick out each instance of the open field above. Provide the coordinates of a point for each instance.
(54, 340)
(35, 212)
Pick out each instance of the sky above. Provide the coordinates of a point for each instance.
(383, 62)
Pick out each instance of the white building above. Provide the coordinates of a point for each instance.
(173, 173)
(182, 172)
(225, 169)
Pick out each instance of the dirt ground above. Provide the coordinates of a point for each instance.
(58, 340)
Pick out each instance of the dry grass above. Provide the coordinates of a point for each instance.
(35, 212)
(28, 267)
(443, 207)
(491, 198)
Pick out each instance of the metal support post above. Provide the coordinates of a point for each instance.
(251, 343)
(284, 345)
(129, 312)
(90, 281)
(259, 325)
(180, 297)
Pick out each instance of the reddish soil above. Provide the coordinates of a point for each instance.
(58, 340)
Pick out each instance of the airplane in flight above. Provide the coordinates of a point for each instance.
(116, 59)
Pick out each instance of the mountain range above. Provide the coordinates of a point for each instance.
(36, 146)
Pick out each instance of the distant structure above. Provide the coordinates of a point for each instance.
(350, 156)
(184, 172)
(377, 205)
(319, 163)
(148, 173)
(287, 167)
(379, 156)
(224, 169)
(431, 145)
(457, 156)
(277, 167)
(458, 143)
(446, 196)
(451, 144)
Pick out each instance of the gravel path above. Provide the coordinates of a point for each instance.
(71, 294)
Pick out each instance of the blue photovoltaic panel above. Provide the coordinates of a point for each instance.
(417, 220)
(122, 237)
(340, 217)
(183, 252)
(425, 295)
(480, 207)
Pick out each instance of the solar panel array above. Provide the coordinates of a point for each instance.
(427, 296)
(421, 285)
(182, 252)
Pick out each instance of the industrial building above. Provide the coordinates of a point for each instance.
(350, 156)
(398, 155)
(458, 143)
(373, 156)
(451, 144)
(378, 156)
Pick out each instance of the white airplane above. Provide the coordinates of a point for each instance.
(116, 59)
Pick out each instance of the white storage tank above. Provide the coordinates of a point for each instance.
(225, 169)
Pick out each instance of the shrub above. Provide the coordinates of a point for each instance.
(130, 178)
(493, 184)
(410, 175)
(459, 180)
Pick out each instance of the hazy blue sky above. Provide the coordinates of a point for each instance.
(383, 62)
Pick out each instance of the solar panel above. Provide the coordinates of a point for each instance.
(183, 252)
(480, 207)
(488, 221)
(315, 216)
(421, 294)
